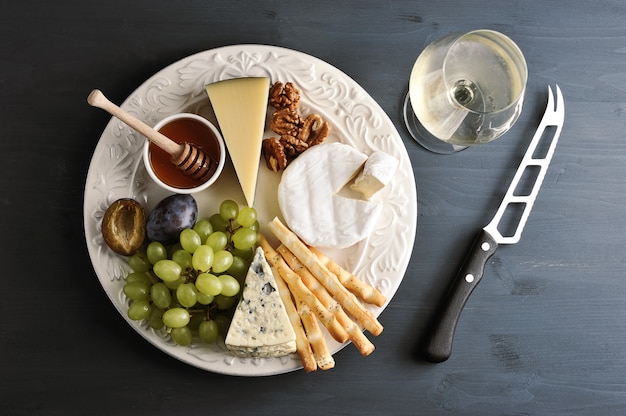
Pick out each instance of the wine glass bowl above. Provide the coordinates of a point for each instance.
(465, 90)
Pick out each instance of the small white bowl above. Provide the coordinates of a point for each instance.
(217, 146)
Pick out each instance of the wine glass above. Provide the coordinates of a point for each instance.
(465, 89)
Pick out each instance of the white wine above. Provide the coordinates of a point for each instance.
(468, 90)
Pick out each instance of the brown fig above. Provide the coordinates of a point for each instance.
(124, 226)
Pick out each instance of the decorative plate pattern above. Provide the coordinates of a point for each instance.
(117, 171)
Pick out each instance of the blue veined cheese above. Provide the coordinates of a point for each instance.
(260, 326)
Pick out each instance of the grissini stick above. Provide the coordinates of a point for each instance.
(189, 159)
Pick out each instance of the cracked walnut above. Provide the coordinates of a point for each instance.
(296, 134)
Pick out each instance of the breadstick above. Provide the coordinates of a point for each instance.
(315, 336)
(325, 360)
(355, 334)
(303, 348)
(302, 294)
(347, 300)
(361, 289)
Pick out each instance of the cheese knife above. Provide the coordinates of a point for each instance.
(439, 343)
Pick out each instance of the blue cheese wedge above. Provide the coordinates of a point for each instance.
(260, 326)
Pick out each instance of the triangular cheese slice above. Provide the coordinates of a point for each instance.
(260, 326)
(240, 106)
(312, 205)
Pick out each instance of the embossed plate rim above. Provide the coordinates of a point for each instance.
(116, 171)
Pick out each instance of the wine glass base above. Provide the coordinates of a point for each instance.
(422, 136)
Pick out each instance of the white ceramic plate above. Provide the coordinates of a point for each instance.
(117, 171)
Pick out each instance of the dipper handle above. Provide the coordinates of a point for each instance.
(97, 99)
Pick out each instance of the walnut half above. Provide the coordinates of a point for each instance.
(286, 121)
(314, 130)
(274, 153)
(284, 96)
(293, 146)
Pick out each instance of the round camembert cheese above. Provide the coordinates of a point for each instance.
(309, 199)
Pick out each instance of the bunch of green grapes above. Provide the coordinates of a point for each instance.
(193, 286)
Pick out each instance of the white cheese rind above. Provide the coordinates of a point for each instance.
(260, 326)
(240, 106)
(377, 173)
(309, 201)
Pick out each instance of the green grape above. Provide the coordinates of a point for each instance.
(204, 299)
(218, 223)
(167, 270)
(137, 290)
(175, 303)
(203, 228)
(247, 217)
(161, 296)
(225, 302)
(195, 320)
(139, 309)
(190, 240)
(156, 251)
(139, 262)
(182, 257)
(173, 285)
(176, 317)
(182, 336)
(208, 331)
(230, 285)
(171, 249)
(244, 254)
(203, 258)
(186, 295)
(208, 284)
(155, 318)
(141, 277)
(223, 323)
(238, 268)
(229, 210)
(255, 227)
(244, 238)
(217, 240)
(222, 261)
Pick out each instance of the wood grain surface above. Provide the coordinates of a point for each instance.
(543, 334)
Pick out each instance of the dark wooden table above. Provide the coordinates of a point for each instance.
(543, 334)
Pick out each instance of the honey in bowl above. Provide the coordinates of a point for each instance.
(185, 129)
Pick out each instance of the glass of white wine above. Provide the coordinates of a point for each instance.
(465, 89)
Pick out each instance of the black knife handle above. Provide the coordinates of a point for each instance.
(439, 344)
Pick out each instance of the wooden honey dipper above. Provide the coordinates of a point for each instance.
(190, 160)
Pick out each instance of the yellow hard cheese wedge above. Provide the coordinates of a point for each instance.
(240, 106)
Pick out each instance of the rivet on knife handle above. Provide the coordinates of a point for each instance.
(439, 344)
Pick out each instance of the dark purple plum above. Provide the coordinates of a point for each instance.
(170, 216)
